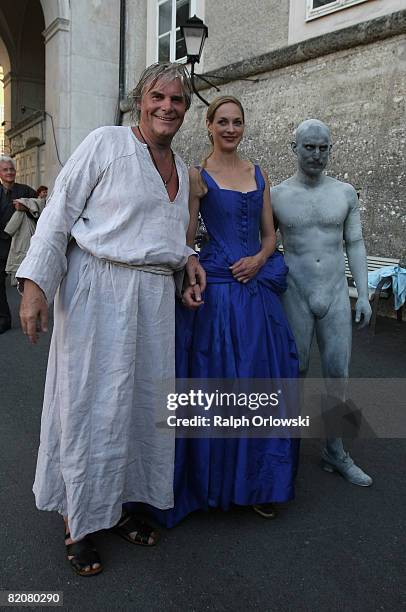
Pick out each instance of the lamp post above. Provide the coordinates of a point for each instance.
(195, 32)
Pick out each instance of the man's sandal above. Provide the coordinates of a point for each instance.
(84, 554)
(135, 531)
(268, 511)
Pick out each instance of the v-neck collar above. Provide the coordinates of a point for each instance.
(175, 157)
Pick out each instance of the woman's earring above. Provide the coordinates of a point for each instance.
(210, 135)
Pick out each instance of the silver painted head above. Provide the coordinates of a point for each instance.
(312, 145)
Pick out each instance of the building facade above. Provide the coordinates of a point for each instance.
(70, 65)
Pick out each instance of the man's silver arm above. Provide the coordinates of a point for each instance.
(357, 261)
(357, 257)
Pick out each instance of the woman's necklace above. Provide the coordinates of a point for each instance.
(168, 180)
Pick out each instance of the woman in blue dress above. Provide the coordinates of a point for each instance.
(240, 331)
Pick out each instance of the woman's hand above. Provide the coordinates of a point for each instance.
(192, 297)
(195, 272)
(196, 278)
(247, 268)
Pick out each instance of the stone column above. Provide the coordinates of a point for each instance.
(57, 95)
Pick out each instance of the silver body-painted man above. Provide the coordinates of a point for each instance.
(315, 214)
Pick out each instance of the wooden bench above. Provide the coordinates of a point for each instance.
(374, 263)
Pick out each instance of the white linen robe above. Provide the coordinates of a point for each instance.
(113, 340)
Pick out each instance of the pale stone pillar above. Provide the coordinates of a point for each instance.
(95, 36)
(81, 85)
(57, 95)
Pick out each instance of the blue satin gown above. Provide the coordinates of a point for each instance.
(240, 332)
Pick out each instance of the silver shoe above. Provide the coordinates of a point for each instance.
(347, 468)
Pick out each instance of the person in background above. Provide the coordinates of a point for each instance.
(21, 228)
(42, 192)
(9, 192)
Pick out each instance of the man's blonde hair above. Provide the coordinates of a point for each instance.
(163, 72)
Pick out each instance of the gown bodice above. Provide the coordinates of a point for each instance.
(233, 220)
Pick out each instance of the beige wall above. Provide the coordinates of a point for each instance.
(240, 30)
(136, 41)
(30, 166)
(94, 58)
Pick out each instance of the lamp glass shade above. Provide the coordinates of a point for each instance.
(194, 39)
(195, 33)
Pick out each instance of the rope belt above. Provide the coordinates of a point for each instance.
(152, 269)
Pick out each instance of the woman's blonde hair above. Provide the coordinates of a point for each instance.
(211, 111)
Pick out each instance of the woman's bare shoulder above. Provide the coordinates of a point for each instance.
(247, 165)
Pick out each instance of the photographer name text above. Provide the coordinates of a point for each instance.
(237, 422)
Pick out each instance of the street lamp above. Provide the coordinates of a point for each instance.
(195, 32)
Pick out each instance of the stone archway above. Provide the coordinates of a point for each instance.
(55, 10)
(35, 34)
(23, 56)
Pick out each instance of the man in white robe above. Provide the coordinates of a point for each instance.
(106, 248)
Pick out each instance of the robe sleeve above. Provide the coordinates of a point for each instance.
(189, 251)
(46, 262)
